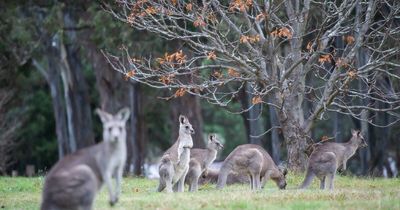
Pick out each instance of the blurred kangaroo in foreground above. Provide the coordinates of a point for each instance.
(73, 182)
(327, 157)
(175, 161)
(254, 161)
(200, 160)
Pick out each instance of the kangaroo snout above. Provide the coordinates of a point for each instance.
(192, 131)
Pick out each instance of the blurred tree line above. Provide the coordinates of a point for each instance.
(53, 75)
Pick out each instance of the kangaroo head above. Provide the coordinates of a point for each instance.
(114, 125)
(213, 142)
(279, 177)
(358, 138)
(184, 126)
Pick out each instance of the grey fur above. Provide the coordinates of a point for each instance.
(200, 160)
(327, 157)
(73, 181)
(254, 161)
(175, 161)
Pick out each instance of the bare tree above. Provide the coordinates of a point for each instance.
(284, 50)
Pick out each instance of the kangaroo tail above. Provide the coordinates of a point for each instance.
(308, 179)
(223, 175)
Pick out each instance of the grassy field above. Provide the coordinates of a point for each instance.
(138, 193)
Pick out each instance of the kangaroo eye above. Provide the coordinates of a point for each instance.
(187, 127)
(109, 130)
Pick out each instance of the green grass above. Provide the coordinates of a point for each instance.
(138, 193)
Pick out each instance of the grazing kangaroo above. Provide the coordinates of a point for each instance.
(175, 161)
(200, 159)
(254, 161)
(211, 177)
(327, 157)
(73, 182)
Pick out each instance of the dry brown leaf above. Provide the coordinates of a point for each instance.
(233, 73)
(241, 5)
(129, 74)
(199, 22)
(309, 47)
(189, 7)
(256, 100)
(180, 92)
(324, 138)
(211, 55)
(217, 74)
(166, 79)
(352, 74)
(349, 39)
(324, 59)
(342, 62)
(283, 32)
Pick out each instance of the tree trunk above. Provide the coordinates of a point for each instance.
(139, 146)
(296, 137)
(54, 82)
(275, 141)
(188, 105)
(77, 96)
(252, 118)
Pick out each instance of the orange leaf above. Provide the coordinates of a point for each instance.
(324, 138)
(217, 74)
(256, 100)
(309, 47)
(283, 32)
(341, 62)
(233, 73)
(199, 22)
(352, 74)
(180, 92)
(244, 39)
(349, 39)
(211, 55)
(241, 5)
(189, 7)
(129, 74)
(166, 79)
(174, 2)
(151, 10)
(324, 58)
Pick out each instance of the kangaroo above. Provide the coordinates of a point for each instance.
(200, 160)
(254, 161)
(175, 161)
(211, 177)
(73, 181)
(327, 157)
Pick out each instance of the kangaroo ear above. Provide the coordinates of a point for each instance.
(211, 136)
(123, 114)
(285, 171)
(182, 119)
(353, 132)
(358, 133)
(104, 116)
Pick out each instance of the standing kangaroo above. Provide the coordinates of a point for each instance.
(327, 157)
(254, 161)
(175, 161)
(73, 182)
(200, 160)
